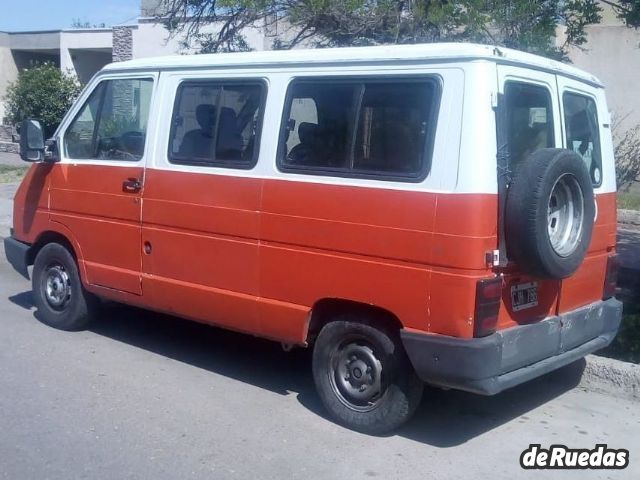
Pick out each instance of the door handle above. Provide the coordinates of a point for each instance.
(131, 185)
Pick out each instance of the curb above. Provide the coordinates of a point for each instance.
(612, 377)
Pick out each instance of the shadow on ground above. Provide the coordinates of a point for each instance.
(444, 419)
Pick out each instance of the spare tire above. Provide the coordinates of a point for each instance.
(549, 214)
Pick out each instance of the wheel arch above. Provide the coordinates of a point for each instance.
(326, 309)
(55, 235)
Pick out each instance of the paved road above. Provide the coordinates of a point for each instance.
(142, 395)
(7, 192)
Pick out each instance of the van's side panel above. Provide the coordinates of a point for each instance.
(361, 244)
(31, 204)
(405, 247)
(203, 234)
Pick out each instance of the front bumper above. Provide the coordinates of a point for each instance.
(17, 254)
(515, 355)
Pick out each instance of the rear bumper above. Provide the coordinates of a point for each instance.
(17, 254)
(509, 357)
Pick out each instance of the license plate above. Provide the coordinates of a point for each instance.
(524, 295)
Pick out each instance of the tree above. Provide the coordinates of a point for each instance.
(77, 23)
(628, 11)
(626, 153)
(523, 24)
(42, 92)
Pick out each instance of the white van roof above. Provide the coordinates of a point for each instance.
(429, 52)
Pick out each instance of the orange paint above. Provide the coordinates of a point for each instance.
(255, 255)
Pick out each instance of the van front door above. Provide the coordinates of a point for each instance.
(96, 186)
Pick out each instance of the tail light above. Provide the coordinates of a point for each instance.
(488, 296)
(611, 279)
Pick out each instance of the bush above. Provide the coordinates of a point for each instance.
(627, 154)
(626, 345)
(44, 93)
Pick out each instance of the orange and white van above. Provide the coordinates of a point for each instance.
(439, 213)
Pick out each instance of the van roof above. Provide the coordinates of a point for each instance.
(354, 55)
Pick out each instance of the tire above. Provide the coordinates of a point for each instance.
(59, 296)
(549, 214)
(372, 357)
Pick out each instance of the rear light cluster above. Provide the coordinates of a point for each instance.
(611, 279)
(488, 297)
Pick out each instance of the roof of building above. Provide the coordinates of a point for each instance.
(353, 55)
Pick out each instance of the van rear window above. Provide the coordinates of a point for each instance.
(216, 124)
(530, 120)
(582, 131)
(360, 127)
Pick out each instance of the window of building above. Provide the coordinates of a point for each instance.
(360, 127)
(530, 120)
(112, 123)
(582, 131)
(217, 124)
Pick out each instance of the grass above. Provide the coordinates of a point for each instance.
(629, 200)
(10, 173)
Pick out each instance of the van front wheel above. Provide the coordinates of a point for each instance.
(59, 297)
(364, 377)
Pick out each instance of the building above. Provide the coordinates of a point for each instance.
(612, 53)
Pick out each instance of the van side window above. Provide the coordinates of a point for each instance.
(216, 124)
(112, 124)
(360, 127)
(530, 120)
(582, 131)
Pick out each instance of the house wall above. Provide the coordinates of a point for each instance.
(8, 69)
(612, 53)
(84, 52)
(151, 38)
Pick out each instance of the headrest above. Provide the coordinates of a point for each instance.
(307, 132)
(206, 116)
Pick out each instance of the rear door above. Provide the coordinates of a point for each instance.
(586, 131)
(96, 187)
(530, 121)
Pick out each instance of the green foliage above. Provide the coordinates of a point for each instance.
(626, 153)
(627, 10)
(521, 24)
(77, 23)
(629, 200)
(10, 174)
(44, 93)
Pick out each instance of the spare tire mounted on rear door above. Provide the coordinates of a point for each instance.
(549, 213)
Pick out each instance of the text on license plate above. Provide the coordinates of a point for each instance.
(524, 295)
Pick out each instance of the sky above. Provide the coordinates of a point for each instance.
(25, 15)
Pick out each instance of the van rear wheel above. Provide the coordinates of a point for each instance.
(364, 377)
(59, 296)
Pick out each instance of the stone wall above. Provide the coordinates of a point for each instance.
(9, 139)
(122, 44)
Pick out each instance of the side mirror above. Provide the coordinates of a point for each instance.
(31, 141)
